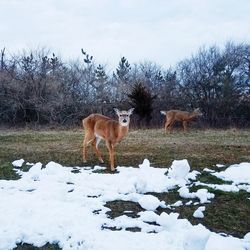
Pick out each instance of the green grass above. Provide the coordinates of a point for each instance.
(211, 179)
(228, 212)
(201, 148)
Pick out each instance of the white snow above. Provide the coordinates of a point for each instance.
(198, 213)
(179, 169)
(171, 220)
(218, 242)
(208, 170)
(196, 238)
(244, 187)
(52, 204)
(220, 165)
(238, 173)
(148, 216)
(177, 204)
(247, 236)
(149, 202)
(202, 194)
(223, 187)
(192, 175)
(18, 163)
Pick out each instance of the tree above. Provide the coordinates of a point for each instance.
(123, 70)
(101, 88)
(213, 80)
(142, 100)
(122, 79)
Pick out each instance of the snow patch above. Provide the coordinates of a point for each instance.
(217, 241)
(148, 216)
(149, 202)
(238, 173)
(196, 238)
(220, 165)
(202, 194)
(208, 170)
(18, 163)
(179, 169)
(53, 204)
(177, 204)
(198, 213)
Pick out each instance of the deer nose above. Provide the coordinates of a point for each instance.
(124, 120)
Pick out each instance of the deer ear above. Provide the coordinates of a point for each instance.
(163, 112)
(117, 111)
(130, 111)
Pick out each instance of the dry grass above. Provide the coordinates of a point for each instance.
(202, 148)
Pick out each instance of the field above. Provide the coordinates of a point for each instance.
(228, 212)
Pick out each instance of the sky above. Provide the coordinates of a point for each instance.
(161, 31)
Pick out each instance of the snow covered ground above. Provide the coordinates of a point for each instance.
(53, 204)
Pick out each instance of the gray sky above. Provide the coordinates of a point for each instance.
(161, 31)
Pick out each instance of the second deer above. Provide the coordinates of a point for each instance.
(99, 127)
(179, 115)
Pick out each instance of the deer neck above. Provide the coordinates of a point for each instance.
(192, 115)
(122, 131)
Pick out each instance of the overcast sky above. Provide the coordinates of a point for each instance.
(162, 31)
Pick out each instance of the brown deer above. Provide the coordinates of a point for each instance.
(99, 127)
(179, 115)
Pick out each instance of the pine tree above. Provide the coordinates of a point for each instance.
(142, 100)
(122, 79)
(123, 70)
(101, 87)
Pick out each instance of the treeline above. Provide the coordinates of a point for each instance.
(39, 88)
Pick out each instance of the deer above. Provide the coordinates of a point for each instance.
(99, 127)
(179, 115)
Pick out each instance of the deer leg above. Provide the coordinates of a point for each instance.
(166, 126)
(184, 123)
(87, 139)
(110, 147)
(169, 126)
(95, 143)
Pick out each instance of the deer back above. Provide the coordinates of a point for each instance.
(104, 127)
(177, 115)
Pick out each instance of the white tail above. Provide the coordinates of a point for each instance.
(99, 127)
(179, 115)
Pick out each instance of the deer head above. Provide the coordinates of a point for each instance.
(197, 112)
(124, 116)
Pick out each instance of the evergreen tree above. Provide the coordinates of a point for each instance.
(122, 79)
(123, 70)
(142, 100)
(101, 88)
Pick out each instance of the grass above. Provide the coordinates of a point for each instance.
(211, 179)
(201, 148)
(228, 212)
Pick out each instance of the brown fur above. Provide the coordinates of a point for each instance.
(99, 127)
(179, 115)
